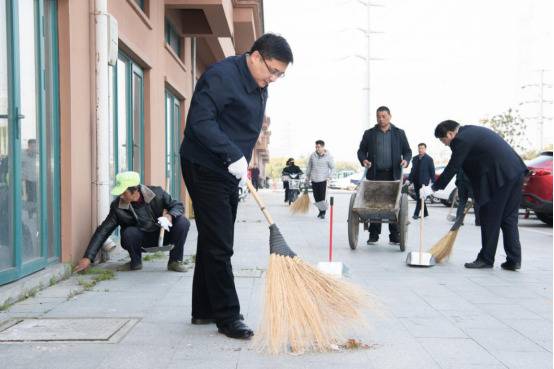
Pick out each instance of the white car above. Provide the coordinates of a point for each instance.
(449, 194)
(346, 182)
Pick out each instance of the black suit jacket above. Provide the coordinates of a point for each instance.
(488, 161)
(400, 150)
(423, 170)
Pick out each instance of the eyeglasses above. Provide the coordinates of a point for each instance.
(274, 72)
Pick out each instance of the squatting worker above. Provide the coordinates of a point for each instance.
(141, 211)
(496, 174)
(223, 125)
(384, 150)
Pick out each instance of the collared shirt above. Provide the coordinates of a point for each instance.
(383, 159)
(225, 116)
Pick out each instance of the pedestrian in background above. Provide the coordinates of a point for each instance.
(384, 151)
(321, 167)
(223, 124)
(422, 173)
(496, 173)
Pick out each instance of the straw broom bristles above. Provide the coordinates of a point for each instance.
(442, 249)
(305, 309)
(301, 205)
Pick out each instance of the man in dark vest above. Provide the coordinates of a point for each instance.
(496, 173)
(422, 173)
(384, 151)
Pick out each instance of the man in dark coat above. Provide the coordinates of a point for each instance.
(141, 211)
(384, 151)
(223, 124)
(422, 173)
(496, 174)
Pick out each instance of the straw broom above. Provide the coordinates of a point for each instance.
(304, 309)
(443, 248)
(302, 204)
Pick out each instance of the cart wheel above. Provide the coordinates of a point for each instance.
(403, 222)
(353, 224)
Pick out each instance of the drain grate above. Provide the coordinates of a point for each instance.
(109, 330)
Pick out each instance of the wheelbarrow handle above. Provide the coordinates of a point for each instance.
(259, 201)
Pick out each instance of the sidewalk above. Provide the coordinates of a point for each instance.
(442, 317)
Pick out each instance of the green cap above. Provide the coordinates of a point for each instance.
(125, 180)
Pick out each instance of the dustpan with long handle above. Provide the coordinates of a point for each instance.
(421, 259)
(277, 243)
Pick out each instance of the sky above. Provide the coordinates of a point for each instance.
(430, 60)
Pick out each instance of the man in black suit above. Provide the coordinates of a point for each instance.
(384, 150)
(496, 173)
(422, 173)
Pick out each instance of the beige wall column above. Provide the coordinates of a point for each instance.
(75, 127)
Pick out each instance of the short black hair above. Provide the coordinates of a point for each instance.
(133, 189)
(383, 108)
(320, 142)
(422, 144)
(272, 46)
(444, 127)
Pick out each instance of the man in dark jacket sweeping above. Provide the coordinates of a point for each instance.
(384, 151)
(223, 125)
(422, 173)
(496, 173)
(140, 211)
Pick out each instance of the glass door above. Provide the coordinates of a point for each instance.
(28, 135)
(172, 142)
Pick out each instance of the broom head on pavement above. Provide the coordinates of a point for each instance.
(443, 248)
(302, 204)
(304, 309)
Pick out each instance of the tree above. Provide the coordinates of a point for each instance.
(511, 127)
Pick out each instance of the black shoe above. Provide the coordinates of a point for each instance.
(204, 321)
(478, 264)
(395, 240)
(415, 217)
(321, 215)
(373, 238)
(508, 265)
(135, 266)
(236, 329)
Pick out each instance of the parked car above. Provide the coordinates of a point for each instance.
(537, 187)
(346, 180)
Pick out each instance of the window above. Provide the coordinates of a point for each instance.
(172, 38)
(172, 142)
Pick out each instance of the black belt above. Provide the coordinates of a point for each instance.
(385, 170)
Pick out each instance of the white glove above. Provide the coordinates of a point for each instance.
(239, 168)
(426, 191)
(164, 223)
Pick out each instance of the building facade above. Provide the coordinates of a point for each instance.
(65, 130)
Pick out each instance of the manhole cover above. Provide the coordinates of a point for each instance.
(76, 329)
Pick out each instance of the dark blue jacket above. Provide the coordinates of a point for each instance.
(225, 116)
(423, 170)
(400, 150)
(488, 161)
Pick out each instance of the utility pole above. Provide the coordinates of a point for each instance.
(541, 101)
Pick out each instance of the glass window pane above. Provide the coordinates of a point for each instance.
(137, 105)
(168, 143)
(6, 243)
(123, 164)
(30, 156)
(111, 126)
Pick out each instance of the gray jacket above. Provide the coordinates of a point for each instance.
(320, 167)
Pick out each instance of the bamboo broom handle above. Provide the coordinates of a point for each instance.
(422, 212)
(259, 201)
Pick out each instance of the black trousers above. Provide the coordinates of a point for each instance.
(286, 187)
(319, 190)
(133, 239)
(463, 195)
(375, 228)
(215, 200)
(417, 211)
(501, 212)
